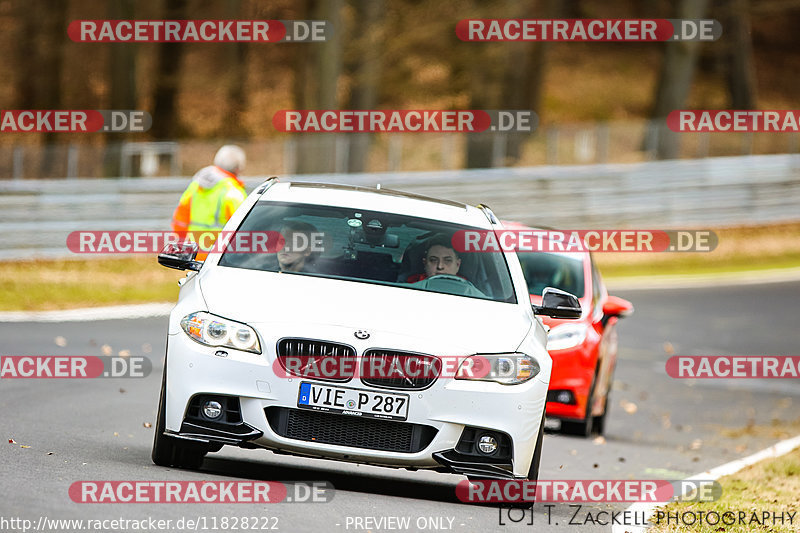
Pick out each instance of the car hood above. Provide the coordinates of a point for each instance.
(292, 305)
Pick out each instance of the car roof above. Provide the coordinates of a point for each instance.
(377, 199)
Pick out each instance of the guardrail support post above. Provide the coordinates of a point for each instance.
(72, 161)
(395, 152)
(19, 158)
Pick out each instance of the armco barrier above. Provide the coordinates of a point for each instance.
(37, 215)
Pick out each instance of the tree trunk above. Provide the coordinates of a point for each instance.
(739, 64)
(316, 82)
(365, 71)
(49, 65)
(480, 145)
(122, 76)
(675, 80)
(523, 86)
(168, 66)
(235, 76)
(27, 44)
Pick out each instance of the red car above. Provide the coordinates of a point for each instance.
(584, 351)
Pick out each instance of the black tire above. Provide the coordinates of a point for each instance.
(169, 451)
(581, 428)
(600, 420)
(533, 471)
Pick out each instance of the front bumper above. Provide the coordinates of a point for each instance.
(573, 371)
(447, 408)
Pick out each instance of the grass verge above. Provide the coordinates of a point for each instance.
(740, 249)
(65, 284)
(771, 486)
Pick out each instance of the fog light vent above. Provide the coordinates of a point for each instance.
(561, 396)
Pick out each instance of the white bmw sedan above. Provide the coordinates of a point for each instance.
(364, 337)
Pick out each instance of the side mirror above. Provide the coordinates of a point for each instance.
(616, 306)
(558, 304)
(180, 256)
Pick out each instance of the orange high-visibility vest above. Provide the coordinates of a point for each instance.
(201, 209)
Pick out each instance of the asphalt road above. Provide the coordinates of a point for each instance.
(658, 428)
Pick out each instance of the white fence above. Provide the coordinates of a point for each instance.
(37, 215)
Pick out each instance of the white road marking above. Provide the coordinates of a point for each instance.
(721, 279)
(90, 314)
(118, 312)
(776, 450)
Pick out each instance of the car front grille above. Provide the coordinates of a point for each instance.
(399, 370)
(345, 430)
(306, 358)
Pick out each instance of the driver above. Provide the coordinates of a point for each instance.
(440, 258)
(296, 254)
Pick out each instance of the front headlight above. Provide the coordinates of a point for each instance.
(211, 330)
(504, 368)
(566, 336)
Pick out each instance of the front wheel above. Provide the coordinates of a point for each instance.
(533, 471)
(600, 420)
(169, 451)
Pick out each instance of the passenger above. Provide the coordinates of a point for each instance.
(440, 258)
(298, 253)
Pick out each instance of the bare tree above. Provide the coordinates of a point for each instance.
(675, 80)
(166, 121)
(738, 54)
(318, 68)
(509, 77)
(26, 45)
(487, 69)
(235, 69)
(50, 62)
(523, 86)
(122, 76)
(365, 69)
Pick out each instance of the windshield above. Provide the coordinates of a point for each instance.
(374, 247)
(552, 270)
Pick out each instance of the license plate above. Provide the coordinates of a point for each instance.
(353, 402)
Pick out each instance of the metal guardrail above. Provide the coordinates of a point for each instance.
(37, 215)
